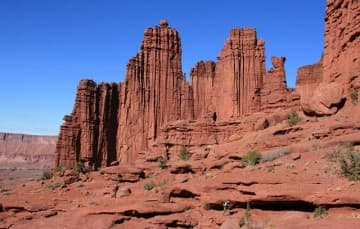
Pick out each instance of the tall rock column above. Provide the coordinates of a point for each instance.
(202, 83)
(155, 91)
(78, 135)
(239, 72)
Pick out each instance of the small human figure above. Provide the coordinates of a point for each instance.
(226, 206)
(214, 117)
(115, 190)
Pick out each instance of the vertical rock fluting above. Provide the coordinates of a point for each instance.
(202, 83)
(155, 91)
(239, 72)
(342, 43)
(89, 133)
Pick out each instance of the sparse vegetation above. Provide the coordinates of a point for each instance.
(79, 167)
(46, 174)
(354, 96)
(60, 169)
(293, 118)
(184, 154)
(350, 166)
(320, 212)
(162, 162)
(149, 185)
(251, 158)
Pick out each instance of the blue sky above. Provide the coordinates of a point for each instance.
(46, 47)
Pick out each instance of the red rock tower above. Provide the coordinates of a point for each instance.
(239, 72)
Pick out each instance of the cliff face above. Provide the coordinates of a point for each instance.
(26, 151)
(342, 43)
(239, 72)
(325, 85)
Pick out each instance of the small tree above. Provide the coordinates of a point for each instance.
(184, 154)
(293, 118)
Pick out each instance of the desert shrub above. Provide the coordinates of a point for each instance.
(184, 154)
(162, 162)
(350, 165)
(46, 174)
(320, 212)
(354, 96)
(293, 118)
(149, 185)
(251, 158)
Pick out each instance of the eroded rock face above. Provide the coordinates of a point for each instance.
(239, 72)
(116, 122)
(202, 82)
(340, 65)
(112, 121)
(274, 92)
(342, 43)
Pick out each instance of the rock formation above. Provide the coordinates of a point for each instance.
(274, 92)
(341, 59)
(239, 73)
(119, 122)
(342, 43)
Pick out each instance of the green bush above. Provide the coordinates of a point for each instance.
(46, 174)
(251, 158)
(149, 185)
(293, 118)
(350, 166)
(184, 154)
(320, 212)
(162, 162)
(354, 96)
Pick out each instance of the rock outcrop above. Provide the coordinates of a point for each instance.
(274, 92)
(340, 62)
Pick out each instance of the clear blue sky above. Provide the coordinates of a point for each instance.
(47, 46)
